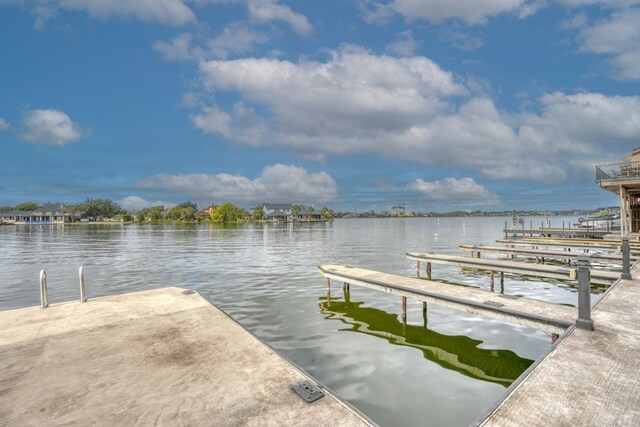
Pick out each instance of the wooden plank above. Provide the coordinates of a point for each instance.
(547, 316)
(553, 254)
(539, 270)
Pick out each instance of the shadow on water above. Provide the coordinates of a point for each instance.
(455, 352)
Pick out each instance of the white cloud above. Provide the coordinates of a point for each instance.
(406, 108)
(405, 44)
(605, 3)
(235, 38)
(270, 10)
(464, 191)
(169, 12)
(178, 49)
(135, 203)
(472, 12)
(278, 183)
(3, 124)
(618, 36)
(50, 127)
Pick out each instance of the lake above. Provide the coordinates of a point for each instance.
(445, 369)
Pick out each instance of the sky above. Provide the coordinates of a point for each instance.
(353, 104)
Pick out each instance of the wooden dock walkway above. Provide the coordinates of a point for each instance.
(542, 253)
(615, 244)
(160, 357)
(564, 243)
(542, 315)
(538, 270)
(589, 377)
(557, 232)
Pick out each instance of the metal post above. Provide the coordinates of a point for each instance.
(584, 294)
(429, 270)
(44, 298)
(83, 298)
(328, 284)
(404, 309)
(502, 282)
(626, 259)
(418, 269)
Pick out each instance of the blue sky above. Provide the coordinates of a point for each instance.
(357, 105)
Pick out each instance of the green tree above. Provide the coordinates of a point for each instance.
(295, 210)
(258, 214)
(27, 206)
(188, 204)
(127, 217)
(100, 207)
(183, 212)
(228, 213)
(327, 213)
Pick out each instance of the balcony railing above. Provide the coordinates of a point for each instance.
(618, 172)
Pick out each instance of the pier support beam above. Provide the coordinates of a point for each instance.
(429, 270)
(623, 212)
(502, 282)
(491, 279)
(404, 309)
(626, 259)
(418, 269)
(584, 294)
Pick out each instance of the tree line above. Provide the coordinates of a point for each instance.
(184, 212)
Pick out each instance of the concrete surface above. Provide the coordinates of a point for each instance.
(545, 253)
(589, 378)
(554, 318)
(601, 277)
(157, 357)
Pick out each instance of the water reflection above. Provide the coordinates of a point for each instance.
(454, 352)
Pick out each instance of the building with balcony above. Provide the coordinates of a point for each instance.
(623, 179)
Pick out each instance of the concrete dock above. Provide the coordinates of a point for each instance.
(160, 357)
(557, 232)
(542, 253)
(614, 244)
(586, 246)
(601, 277)
(553, 318)
(589, 377)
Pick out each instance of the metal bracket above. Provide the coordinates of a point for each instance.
(493, 304)
(309, 392)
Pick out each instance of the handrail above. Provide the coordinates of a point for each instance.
(44, 299)
(83, 298)
(44, 296)
(618, 171)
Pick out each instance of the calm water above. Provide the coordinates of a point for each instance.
(445, 369)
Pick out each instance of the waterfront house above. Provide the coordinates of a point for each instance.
(285, 212)
(397, 210)
(50, 213)
(623, 179)
(206, 212)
